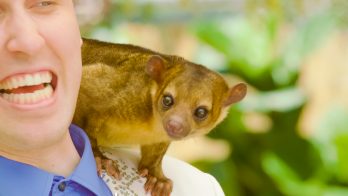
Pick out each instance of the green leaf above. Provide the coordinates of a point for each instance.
(341, 143)
(308, 37)
(281, 100)
(287, 180)
(330, 138)
(241, 41)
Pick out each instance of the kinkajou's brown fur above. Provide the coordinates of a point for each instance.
(132, 95)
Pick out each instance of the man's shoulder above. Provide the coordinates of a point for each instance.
(187, 179)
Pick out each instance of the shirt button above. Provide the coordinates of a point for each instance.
(62, 186)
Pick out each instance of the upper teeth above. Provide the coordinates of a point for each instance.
(26, 80)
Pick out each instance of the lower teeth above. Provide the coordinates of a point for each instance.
(28, 98)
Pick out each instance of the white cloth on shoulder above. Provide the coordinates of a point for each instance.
(187, 180)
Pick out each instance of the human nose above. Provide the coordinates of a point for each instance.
(24, 37)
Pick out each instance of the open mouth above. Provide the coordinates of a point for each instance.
(28, 88)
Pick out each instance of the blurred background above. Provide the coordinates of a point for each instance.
(290, 135)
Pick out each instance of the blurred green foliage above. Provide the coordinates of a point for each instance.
(278, 161)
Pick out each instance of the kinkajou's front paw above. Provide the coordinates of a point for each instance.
(110, 167)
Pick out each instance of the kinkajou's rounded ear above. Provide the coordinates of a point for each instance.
(155, 68)
(235, 94)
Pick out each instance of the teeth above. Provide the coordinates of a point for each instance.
(29, 98)
(26, 80)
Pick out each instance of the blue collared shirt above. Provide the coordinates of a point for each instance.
(22, 179)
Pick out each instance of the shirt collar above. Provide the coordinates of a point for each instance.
(24, 179)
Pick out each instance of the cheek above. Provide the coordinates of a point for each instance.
(64, 40)
(62, 34)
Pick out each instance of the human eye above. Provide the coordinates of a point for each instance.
(44, 3)
(44, 6)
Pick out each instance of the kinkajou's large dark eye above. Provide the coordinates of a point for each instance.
(201, 113)
(167, 101)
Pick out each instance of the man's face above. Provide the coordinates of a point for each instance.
(40, 70)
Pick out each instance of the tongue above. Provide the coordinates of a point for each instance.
(27, 89)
